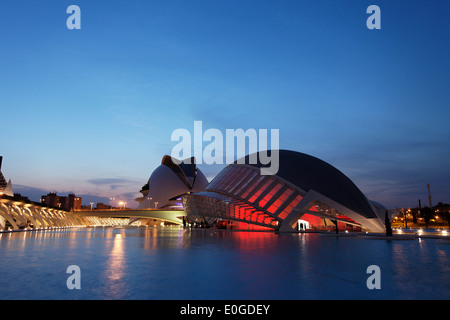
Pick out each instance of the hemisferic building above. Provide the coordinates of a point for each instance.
(305, 194)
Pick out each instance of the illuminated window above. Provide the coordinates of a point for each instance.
(277, 203)
(260, 190)
(269, 196)
(290, 206)
(251, 186)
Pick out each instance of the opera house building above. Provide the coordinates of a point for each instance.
(168, 182)
(305, 194)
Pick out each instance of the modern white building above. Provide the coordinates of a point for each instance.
(169, 182)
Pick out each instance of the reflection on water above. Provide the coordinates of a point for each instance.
(172, 263)
(114, 274)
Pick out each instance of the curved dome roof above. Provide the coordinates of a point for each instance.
(308, 172)
(186, 170)
(170, 180)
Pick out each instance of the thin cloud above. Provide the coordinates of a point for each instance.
(113, 182)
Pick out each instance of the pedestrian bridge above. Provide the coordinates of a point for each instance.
(172, 216)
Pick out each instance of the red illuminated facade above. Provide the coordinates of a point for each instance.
(241, 195)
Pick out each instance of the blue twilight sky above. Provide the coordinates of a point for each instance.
(92, 111)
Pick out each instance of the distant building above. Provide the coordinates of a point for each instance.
(51, 199)
(73, 202)
(19, 197)
(68, 203)
(102, 206)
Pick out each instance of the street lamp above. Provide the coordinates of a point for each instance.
(156, 205)
(91, 205)
(112, 199)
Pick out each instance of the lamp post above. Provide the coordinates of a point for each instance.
(112, 199)
(156, 205)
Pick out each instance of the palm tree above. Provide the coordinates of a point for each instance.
(427, 214)
(388, 225)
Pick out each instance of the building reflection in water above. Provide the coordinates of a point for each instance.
(176, 263)
(115, 284)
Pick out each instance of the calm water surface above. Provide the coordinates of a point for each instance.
(172, 263)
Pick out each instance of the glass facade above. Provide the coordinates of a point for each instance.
(210, 206)
(240, 193)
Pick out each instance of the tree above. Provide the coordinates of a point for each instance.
(405, 216)
(414, 215)
(427, 214)
(387, 225)
(446, 216)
